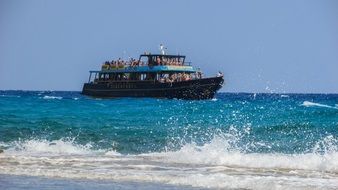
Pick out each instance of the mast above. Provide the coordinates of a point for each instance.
(162, 48)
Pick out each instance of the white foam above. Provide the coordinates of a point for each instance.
(217, 164)
(313, 104)
(52, 97)
(254, 96)
(56, 147)
(220, 152)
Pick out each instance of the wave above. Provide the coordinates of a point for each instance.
(10, 96)
(217, 164)
(61, 147)
(52, 97)
(56, 147)
(313, 104)
(220, 152)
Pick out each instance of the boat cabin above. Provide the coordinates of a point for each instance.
(159, 59)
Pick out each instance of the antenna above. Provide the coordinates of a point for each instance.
(162, 48)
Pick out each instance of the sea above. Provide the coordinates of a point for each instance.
(64, 140)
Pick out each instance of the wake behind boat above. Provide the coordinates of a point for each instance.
(152, 75)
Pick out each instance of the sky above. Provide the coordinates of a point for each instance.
(288, 46)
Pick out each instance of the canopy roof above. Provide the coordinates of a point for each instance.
(161, 55)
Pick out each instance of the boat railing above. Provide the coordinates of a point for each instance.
(120, 81)
(145, 81)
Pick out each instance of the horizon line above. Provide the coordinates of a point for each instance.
(230, 92)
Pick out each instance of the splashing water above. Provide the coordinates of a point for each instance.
(237, 141)
(313, 104)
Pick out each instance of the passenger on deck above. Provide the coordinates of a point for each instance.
(179, 77)
(184, 77)
(199, 74)
(132, 62)
(164, 61)
(119, 63)
(112, 64)
(173, 77)
(158, 61)
(168, 80)
(136, 62)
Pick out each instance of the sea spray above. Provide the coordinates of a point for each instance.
(313, 104)
(215, 161)
(237, 141)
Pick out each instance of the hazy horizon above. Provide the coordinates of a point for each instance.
(261, 46)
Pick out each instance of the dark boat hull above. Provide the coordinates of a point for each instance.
(192, 89)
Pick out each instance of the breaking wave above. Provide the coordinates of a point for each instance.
(216, 164)
(313, 104)
(237, 141)
(52, 97)
(56, 147)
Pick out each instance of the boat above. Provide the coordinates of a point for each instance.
(154, 76)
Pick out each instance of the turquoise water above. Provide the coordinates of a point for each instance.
(281, 140)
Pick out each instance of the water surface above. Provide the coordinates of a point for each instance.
(248, 141)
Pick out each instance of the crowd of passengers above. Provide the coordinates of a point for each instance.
(122, 63)
(177, 77)
(168, 61)
(133, 62)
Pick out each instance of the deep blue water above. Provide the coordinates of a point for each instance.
(67, 123)
(287, 123)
